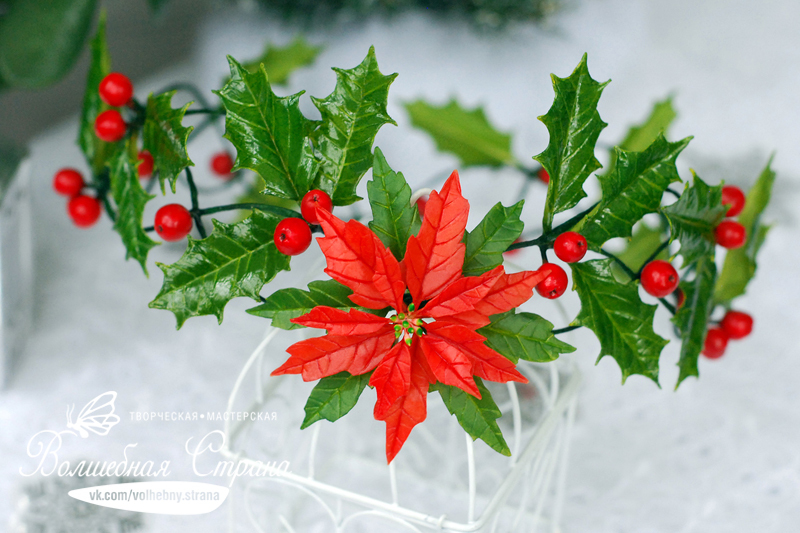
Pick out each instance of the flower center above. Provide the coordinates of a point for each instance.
(406, 325)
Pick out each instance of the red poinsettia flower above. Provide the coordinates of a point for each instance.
(428, 340)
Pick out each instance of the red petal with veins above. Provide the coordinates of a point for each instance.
(462, 295)
(320, 357)
(408, 411)
(339, 322)
(449, 364)
(471, 319)
(509, 292)
(392, 378)
(435, 256)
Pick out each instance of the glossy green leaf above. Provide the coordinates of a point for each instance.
(269, 132)
(621, 321)
(478, 417)
(286, 304)
(632, 190)
(467, 134)
(351, 117)
(644, 242)
(574, 126)
(165, 137)
(491, 237)
(692, 318)
(693, 217)
(393, 216)
(524, 336)
(333, 397)
(130, 200)
(235, 260)
(641, 136)
(281, 61)
(41, 41)
(157, 5)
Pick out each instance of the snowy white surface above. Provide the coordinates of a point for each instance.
(722, 454)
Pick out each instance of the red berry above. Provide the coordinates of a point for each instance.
(737, 325)
(680, 298)
(730, 234)
(292, 236)
(313, 200)
(570, 247)
(84, 210)
(145, 164)
(222, 164)
(109, 126)
(68, 182)
(554, 284)
(659, 278)
(173, 222)
(733, 197)
(544, 176)
(715, 343)
(116, 89)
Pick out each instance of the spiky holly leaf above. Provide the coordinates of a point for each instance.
(621, 321)
(467, 134)
(644, 242)
(478, 417)
(740, 264)
(524, 336)
(281, 61)
(574, 126)
(394, 219)
(351, 117)
(693, 217)
(632, 190)
(130, 199)
(333, 397)
(641, 136)
(165, 137)
(235, 260)
(491, 237)
(269, 132)
(692, 318)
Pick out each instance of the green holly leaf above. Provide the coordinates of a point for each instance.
(351, 117)
(621, 321)
(491, 237)
(692, 318)
(96, 151)
(286, 304)
(281, 61)
(524, 336)
(467, 134)
(632, 190)
(478, 417)
(393, 216)
(641, 136)
(740, 264)
(333, 397)
(574, 126)
(130, 199)
(235, 260)
(269, 132)
(693, 217)
(644, 242)
(165, 137)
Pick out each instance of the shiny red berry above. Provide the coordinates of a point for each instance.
(173, 222)
(116, 89)
(570, 247)
(734, 198)
(422, 201)
(109, 126)
(544, 176)
(68, 182)
(222, 164)
(680, 298)
(145, 164)
(730, 234)
(313, 200)
(715, 343)
(84, 210)
(292, 236)
(659, 278)
(736, 324)
(554, 284)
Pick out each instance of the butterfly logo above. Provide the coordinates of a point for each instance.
(97, 416)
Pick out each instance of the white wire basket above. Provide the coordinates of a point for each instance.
(338, 480)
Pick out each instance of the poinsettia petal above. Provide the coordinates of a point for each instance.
(449, 364)
(392, 378)
(340, 322)
(358, 259)
(408, 411)
(462, 294)
(435, 255)
(321, 357)
(509, 292)
(471, 319)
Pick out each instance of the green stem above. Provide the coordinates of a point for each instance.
(619, 262)
(281, 211)
(205, 111)
(188, 88)
(564, 330)
(198, 221)
(653, 256)
(676, 194)
(549, 236)
(669, 306)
